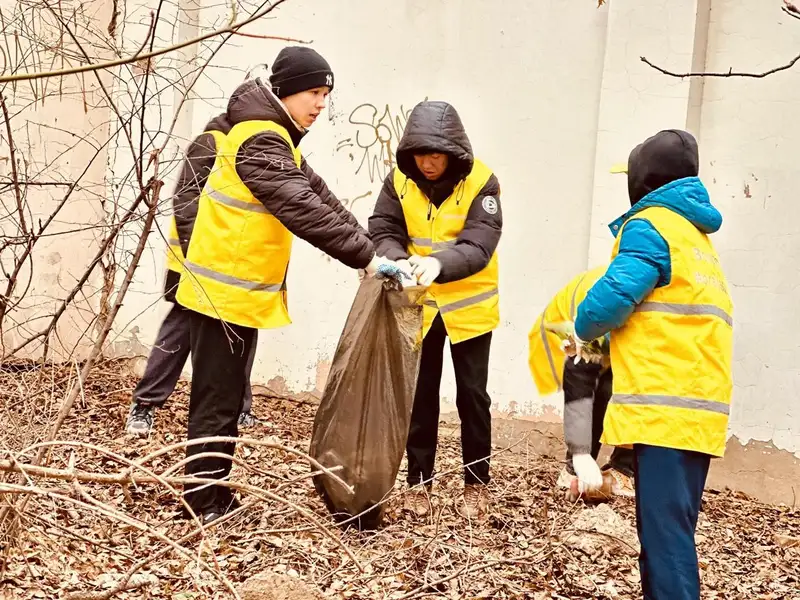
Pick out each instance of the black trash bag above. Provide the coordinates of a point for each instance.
(363, 418)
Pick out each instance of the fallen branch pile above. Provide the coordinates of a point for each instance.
(100, 522)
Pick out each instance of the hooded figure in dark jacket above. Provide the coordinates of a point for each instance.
(257, 193)
(439, 216)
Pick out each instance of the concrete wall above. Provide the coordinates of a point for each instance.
(551, 98)
(59, 128)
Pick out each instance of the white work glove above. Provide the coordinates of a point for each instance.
(407, 279)
(405, 266)
(425, 268)
(589, 475)
(375, 265)
(576, 347)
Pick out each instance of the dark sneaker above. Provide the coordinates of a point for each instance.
(210, 516)
(140, 419)
(247, 420)
(213, 513)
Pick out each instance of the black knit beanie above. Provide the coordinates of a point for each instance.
(297, 69)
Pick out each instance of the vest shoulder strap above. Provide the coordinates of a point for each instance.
(247, 129)
(479, 175)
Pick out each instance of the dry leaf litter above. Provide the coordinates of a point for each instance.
(532, 545)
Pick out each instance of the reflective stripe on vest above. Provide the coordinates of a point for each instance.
(469, 307)
(222, 198)
(428, 243)
(239, 252)
(252, 286)
(545, 353)
(685, 309)
(674, 401)
(672, 358)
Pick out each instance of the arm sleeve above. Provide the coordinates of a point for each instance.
(580, 382)
(643, 262)
(197, 166)
(328, 197)
(387, 225)
(266, 166)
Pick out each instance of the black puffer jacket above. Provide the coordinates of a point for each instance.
(196, 168)
(298, 198)
(436, 127)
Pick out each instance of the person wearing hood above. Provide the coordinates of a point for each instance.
(171, 347)
(260, 192)
(666, 302)
(439, 215)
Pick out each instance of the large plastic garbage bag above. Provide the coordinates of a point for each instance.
(363, 418)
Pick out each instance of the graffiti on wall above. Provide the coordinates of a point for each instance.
(372, 145)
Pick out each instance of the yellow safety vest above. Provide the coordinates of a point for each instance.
(672, 358)
(175, 256)
(545, 355)
(470, 306)
(239, 253)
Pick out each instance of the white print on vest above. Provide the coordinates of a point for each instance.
(712, 280)
(490, 205)
(329, 80)
(705, 257)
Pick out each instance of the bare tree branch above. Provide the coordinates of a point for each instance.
(146, 56)
(789, 8)
(730, 73)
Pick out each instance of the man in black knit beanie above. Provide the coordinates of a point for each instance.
(234, 243)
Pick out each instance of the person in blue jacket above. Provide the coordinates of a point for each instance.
(665, 301)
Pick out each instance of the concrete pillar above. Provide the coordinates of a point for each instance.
(636, 101)
(188, 28)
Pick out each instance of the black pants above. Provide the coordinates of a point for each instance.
(219, 366)
(167, 358)
(669, 493)
(471, 366)
(589, 381)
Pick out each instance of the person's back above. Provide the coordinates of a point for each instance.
(666, 302)
(665, 296)
(545, 349)
(587, 390)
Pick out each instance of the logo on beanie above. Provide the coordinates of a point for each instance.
(490, 205)
(329, 80)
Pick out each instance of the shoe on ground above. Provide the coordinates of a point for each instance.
(418, 500)
(214, 512)
(210, 516)
(247, 420)
(140, 419)
(475, 501)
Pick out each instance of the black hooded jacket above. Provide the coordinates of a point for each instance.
(298, 198)
(436, 127)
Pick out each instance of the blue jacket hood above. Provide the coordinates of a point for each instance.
(687, 197)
